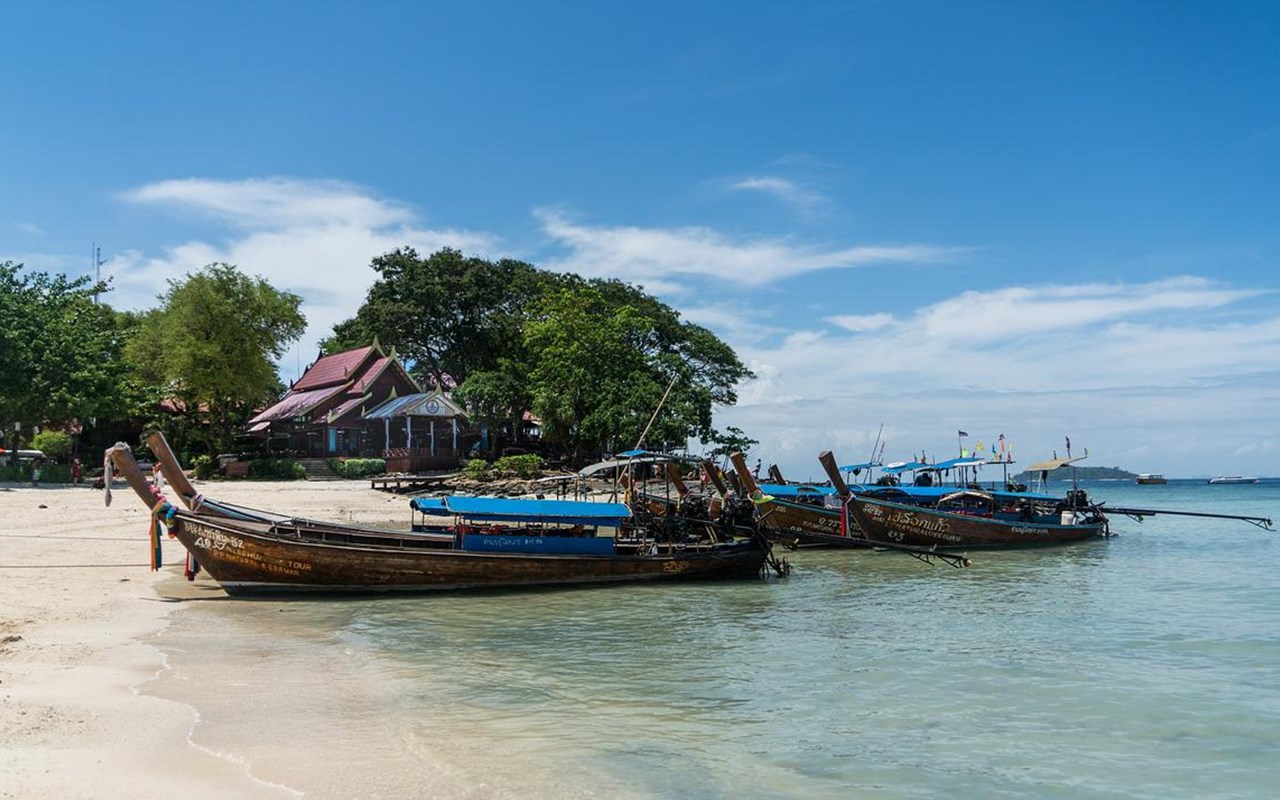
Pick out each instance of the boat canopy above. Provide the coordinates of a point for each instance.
(505, 509)
(902, 466)
(617, 463)
(859, 467)
(1054, 463)
(794, 490)
(954, 463)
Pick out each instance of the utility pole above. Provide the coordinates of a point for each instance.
(96, 257)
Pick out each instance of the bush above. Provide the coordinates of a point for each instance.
(285, 469)
(358, 467)
(204, 467)
(54, 444)
(477, 469)
(528, 466)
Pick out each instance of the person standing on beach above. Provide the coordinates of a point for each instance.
(35, 474)
(75, 471)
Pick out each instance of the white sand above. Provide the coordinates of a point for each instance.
(77, 603)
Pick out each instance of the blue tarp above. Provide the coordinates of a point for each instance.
(504, 509)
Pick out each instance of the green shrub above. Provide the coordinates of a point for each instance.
(527, 466)
(204, 466)
(281, 469)
(358, 467)
(54, 444)
(477, 469)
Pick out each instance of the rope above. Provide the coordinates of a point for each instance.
(64, 566)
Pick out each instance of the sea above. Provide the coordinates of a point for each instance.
(1146, 665)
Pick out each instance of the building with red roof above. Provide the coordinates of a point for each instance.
(323, 415)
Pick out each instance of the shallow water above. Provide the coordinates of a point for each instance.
(1147, 665)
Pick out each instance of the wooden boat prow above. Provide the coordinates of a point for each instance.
(250, 552)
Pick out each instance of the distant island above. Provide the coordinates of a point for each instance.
(1083, 473)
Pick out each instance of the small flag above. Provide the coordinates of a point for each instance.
(979, 447)
(1068, 438)
(962, 433)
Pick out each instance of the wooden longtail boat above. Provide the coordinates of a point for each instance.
(249, 552)
(970, 520)
(800, 524)
(804, 518)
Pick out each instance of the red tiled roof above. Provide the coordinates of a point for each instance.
(332, 370)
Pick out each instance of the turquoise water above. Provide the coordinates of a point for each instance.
(1147, 665)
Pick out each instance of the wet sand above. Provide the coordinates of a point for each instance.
(80, 613)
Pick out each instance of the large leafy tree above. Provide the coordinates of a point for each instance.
(214, 342)
(448, 315)
(59, 350)
(592, 358)
(611, 367)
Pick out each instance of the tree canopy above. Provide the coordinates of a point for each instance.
(591, 358)
(59, 350)
(213, 342)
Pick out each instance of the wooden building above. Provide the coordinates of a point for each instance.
(324, 414)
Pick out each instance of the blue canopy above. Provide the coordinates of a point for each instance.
(504, 509)
(894, 469)
(794, 490)
(429, 505)
(957, 462)
(859, 467)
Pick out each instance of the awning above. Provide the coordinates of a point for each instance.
(1054, 463)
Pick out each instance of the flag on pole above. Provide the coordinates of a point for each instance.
(962, 433)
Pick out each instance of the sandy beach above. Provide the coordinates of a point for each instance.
(80, 607)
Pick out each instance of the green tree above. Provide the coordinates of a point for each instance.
(602, 357)
(497, 397)
(592, 358)
(213, 343)
(60, 352)
(446, 314)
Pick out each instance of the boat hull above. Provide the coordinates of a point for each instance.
(247, 558)
(804, 525)
(896, 523)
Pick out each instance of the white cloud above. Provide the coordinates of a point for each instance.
(660, 257)
(314, 238)
(861, 323)
(784, 189)
(275, 203)
(1119, 367)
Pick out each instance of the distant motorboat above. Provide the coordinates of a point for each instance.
(1152, 478)
(1232, 479)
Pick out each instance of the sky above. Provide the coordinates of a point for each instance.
(1041, 220)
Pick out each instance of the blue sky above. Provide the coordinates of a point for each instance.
(1036, 219)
